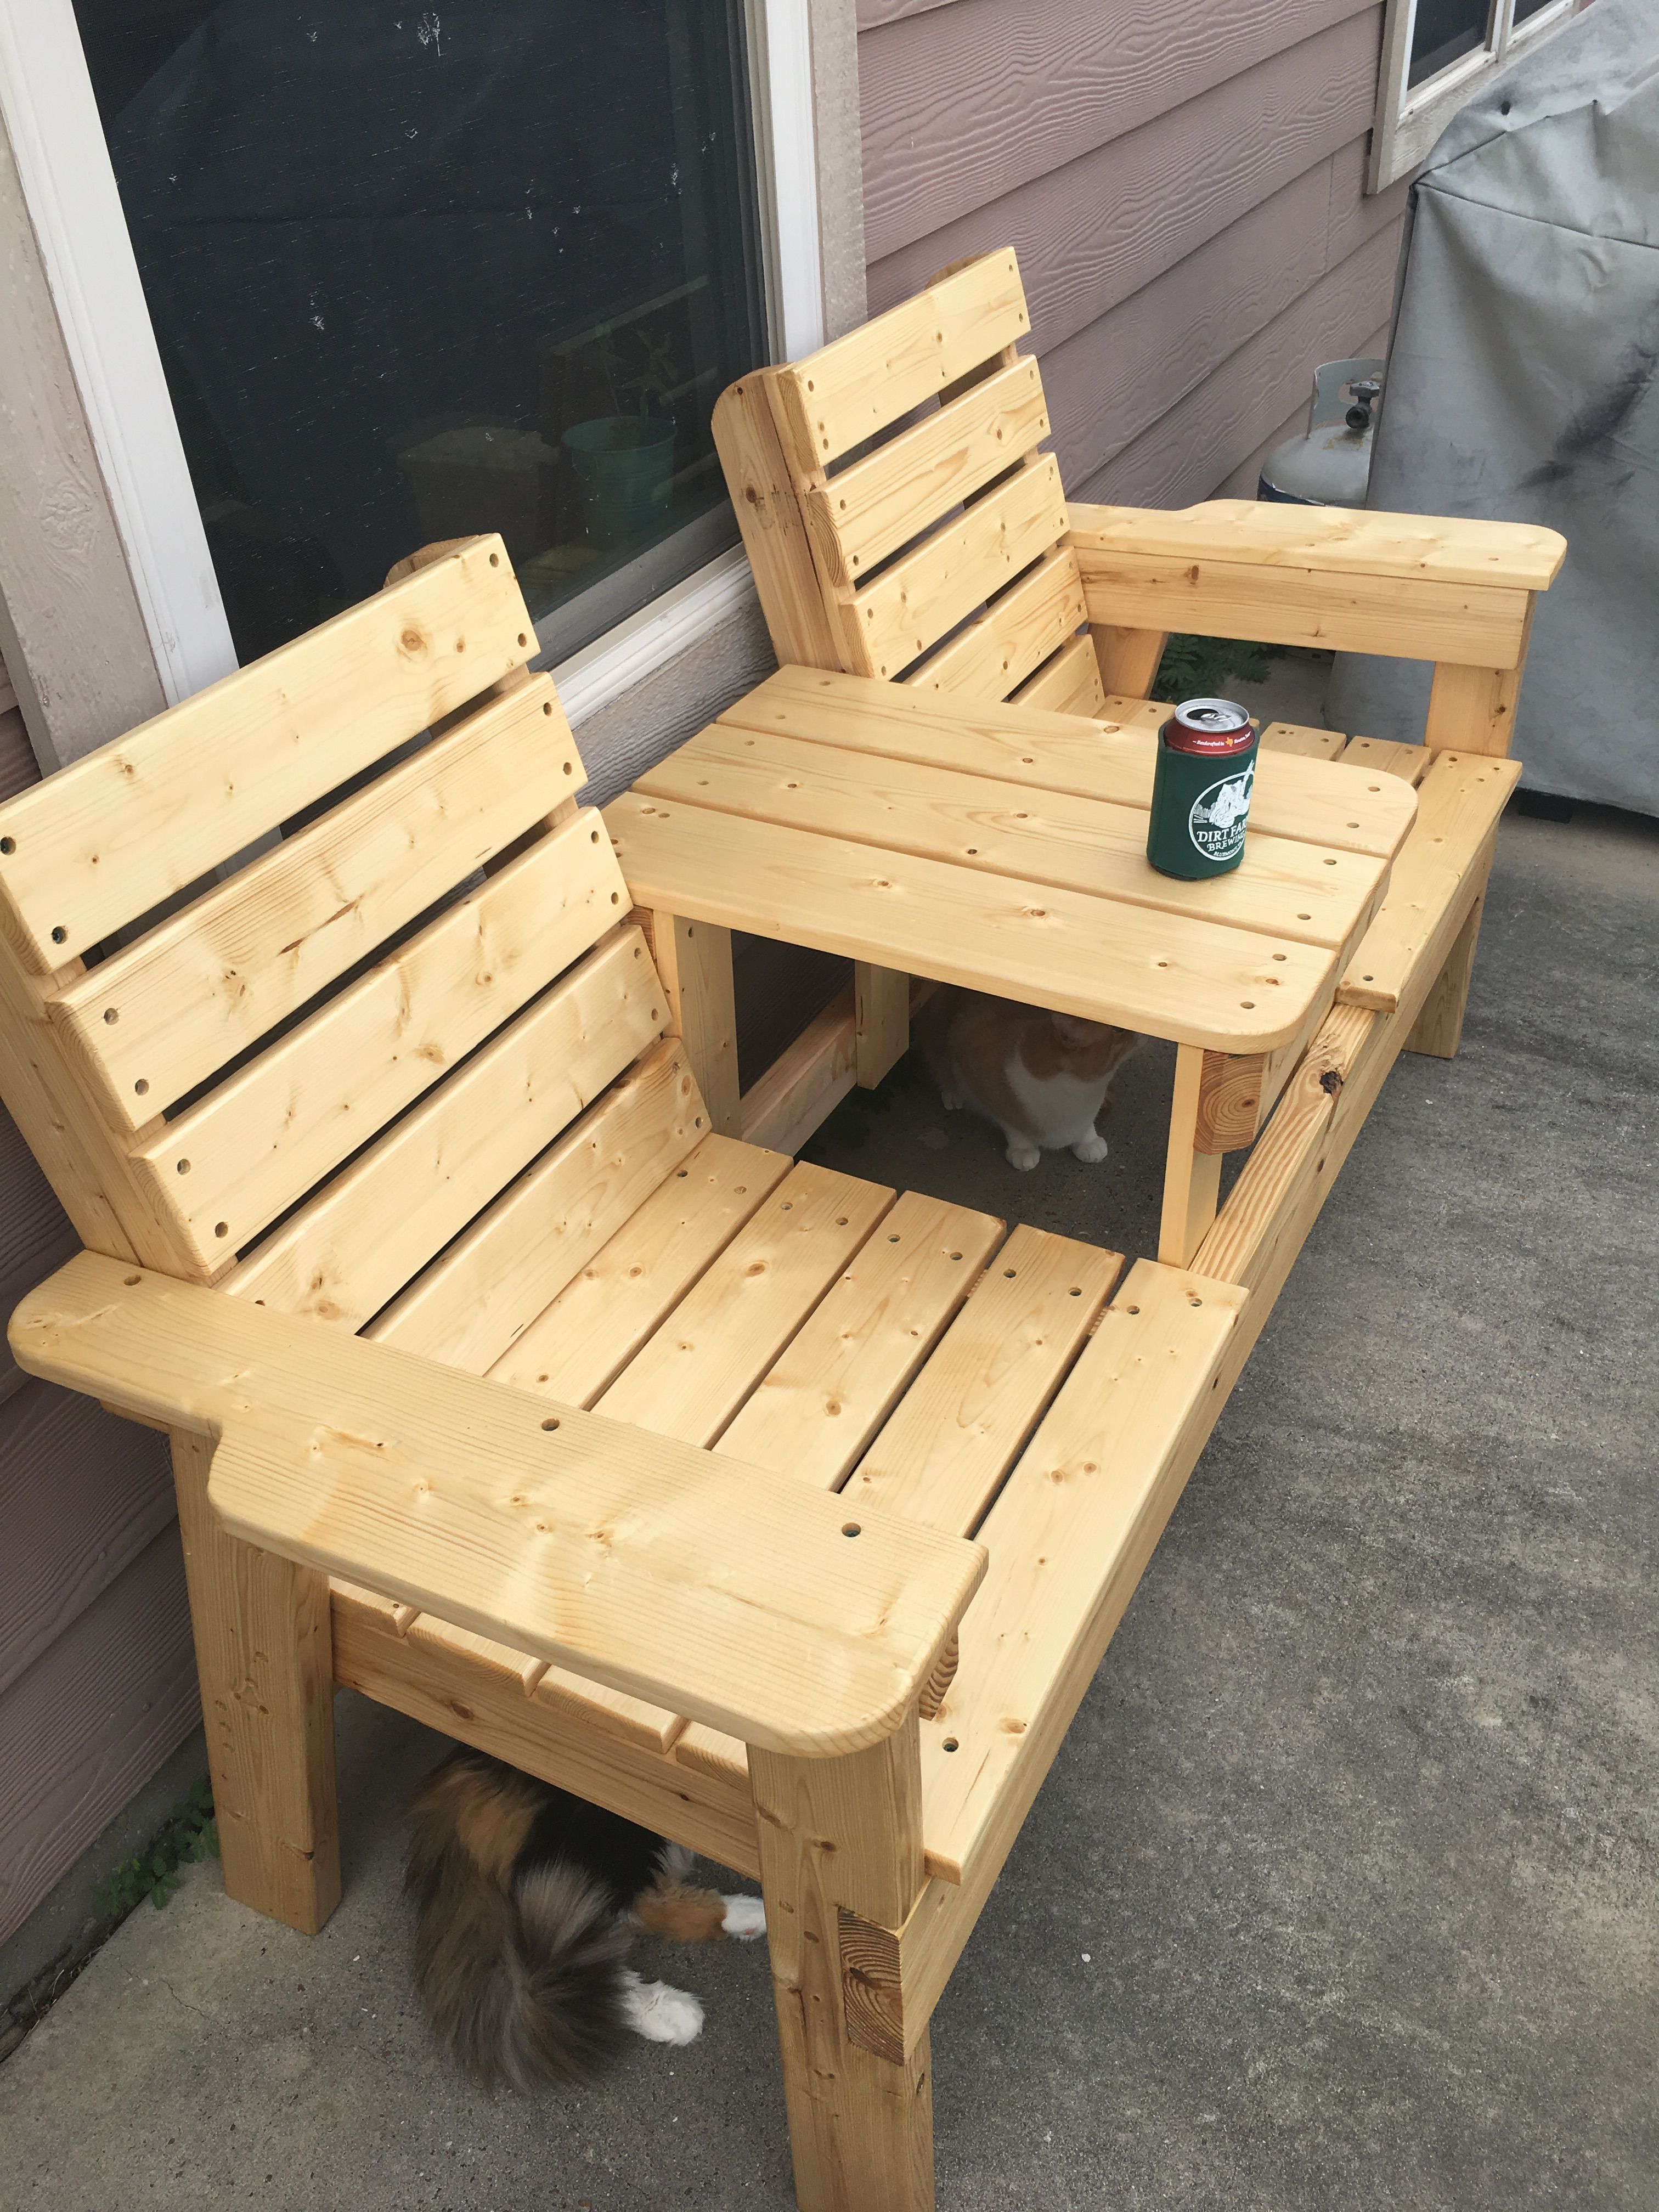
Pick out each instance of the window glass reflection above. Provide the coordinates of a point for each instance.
(421, 271)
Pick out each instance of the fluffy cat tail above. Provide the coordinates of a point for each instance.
(525, 1986)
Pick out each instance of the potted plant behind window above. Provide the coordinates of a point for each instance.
(624, 461)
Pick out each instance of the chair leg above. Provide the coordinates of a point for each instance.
(264, 1658)
(1438, 1029)
(844, 1833)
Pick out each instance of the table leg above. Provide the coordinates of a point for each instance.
(1192, 1178)
(881, 1020)
(693, 959)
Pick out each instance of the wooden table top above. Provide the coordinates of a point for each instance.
(1004, 848)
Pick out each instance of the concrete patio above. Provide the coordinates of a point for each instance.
(1341, 1892)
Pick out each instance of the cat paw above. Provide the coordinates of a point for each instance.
(950, 1100)
(660, 2014)
(745, 1918)
(1022, 1155)
(1091, 1148)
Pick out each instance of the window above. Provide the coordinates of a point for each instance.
(1434, 54)
(421, 268)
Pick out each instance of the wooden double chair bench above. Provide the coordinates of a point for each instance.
(783, 1513)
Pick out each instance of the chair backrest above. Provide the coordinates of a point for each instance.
(302, 1065)
(898, 516)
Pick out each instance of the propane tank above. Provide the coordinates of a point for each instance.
(1331, 466)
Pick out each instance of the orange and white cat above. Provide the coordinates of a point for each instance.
(1042, 1077)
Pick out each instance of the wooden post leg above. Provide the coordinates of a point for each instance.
(264, 1661)
(1128, 658)
(1192, 1178)
(843, 1837)
(881, 1020)
(1438, 1029)
(693, 959)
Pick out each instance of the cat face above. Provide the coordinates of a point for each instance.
(1072, 1031)
(1083, 1051)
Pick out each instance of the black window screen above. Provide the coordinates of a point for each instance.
(417, 271)
(1443, 31)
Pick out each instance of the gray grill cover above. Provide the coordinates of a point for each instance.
(1522, 387)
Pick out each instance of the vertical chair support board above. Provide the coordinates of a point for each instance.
(693, 959)
(881, 1019)
(1192, 1176)
(840, 1838)
(263, 1657)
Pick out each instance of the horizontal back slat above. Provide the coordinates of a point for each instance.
(1068, 682)
(1014, 635)
(348, 1251)
(153, 1021)
(866, 380)
(879, 503)
(471, 1305)
(108, 839)
(923, 596)
(231, 1164)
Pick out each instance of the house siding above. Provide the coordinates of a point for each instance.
(97, 1681)
(1185, 187)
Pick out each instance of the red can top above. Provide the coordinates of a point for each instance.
(1213, 727)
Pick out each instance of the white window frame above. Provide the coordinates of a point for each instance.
(1409, 118)
(51, 115)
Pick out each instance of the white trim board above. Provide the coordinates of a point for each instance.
(52, 115)
(1410, 120)
(64, 163)
(786, 149)
(637, 648)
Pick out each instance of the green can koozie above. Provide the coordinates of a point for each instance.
(1201, 789)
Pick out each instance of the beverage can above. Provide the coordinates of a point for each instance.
(1202, 788)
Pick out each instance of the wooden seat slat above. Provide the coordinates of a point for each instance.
(1460, 802)
(153, 1021)
(1295, 737)
(482, 1294)
(959, 1426)
(927, 593)
(1016, 634)
(1061, 752)
(1239, 991)
(612, 1713)
(862, 383)
(1284, 886)
(1411, 761)
(1069, 1537)
(276, 1128)
(354, 1247)
(833, 1386)
(577, 1349)
(106, 839)
(874, 506)
(696, 1370)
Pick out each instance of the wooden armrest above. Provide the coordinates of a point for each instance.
(1330, 540)
(718, 1589)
